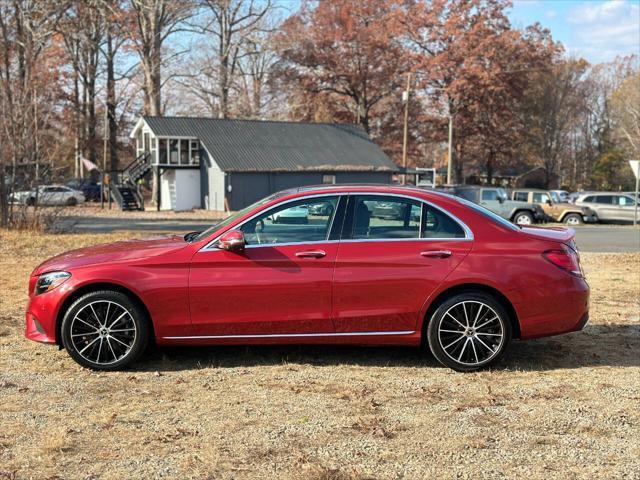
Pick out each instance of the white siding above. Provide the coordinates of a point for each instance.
(215, 199)
(180, 190)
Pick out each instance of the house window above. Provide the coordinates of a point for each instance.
(162, 148)
(184, 152)
(329, 179)
(195, 152)
(174, 146)
(147, 143)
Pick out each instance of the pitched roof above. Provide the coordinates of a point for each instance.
(268, 146)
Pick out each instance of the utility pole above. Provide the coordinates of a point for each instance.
(450, 159)
(405, 137)
(104, 154)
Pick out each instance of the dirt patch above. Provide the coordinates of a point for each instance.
(564, 407)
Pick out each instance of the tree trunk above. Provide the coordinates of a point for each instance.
(111, 104)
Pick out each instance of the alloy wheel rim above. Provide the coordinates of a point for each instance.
(103, 332)
(471, 333)
(572, 221)
(523, 220)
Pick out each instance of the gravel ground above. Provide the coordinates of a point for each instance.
(565, 407)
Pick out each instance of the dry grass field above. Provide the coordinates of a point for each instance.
(564, 407)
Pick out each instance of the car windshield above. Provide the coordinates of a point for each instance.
(488, 213)
(227, 221)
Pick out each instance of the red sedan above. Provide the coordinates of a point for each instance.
(375, 265)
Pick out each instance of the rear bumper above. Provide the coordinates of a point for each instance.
(554, 309)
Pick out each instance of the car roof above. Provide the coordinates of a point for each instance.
(364, 187)
(532, 190)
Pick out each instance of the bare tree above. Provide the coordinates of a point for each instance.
(155, 21)
(26, 32)
(231, 23)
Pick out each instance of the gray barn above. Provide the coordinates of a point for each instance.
(229, 164)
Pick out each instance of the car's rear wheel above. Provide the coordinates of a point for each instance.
(573, 219)
(469, 331)
(523, 218)
(71, 202)
(105, 330)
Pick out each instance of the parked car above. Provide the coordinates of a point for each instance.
(49, 195)
(90, 189)
(321, 209)
(296, 214)
(559, 196)
(610, 207)
(496, 200)
(462, 281)
(557, 212)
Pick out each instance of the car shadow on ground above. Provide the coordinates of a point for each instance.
(597, 346)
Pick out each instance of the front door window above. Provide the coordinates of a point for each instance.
(296, 222)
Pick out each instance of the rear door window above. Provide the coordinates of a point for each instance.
(604, 199)
(437, 224)
(381, 217)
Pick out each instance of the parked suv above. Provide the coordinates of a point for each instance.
(496, 200)
(609, 206)
(557, 212)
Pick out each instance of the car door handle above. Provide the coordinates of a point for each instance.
(436, 253)
(311, 254)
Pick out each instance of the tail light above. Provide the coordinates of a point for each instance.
(565, 259)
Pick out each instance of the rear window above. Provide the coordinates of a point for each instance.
(495, 218)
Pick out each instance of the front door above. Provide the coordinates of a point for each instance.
(394, 253)
(280, 284)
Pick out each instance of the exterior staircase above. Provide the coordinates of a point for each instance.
(124, 186)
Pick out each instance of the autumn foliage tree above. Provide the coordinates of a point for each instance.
(345, 55)
(471, 59)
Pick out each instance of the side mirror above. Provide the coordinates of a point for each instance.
(549, 202)
(501, 199)
(232, 241)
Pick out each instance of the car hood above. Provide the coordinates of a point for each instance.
(112, 252)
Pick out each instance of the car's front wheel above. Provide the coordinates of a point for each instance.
(469, 331)
(105, 330)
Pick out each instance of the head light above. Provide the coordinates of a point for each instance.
(51, 280)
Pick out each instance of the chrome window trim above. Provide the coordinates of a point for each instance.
(211, 246)
(467, 231)
(292, 335)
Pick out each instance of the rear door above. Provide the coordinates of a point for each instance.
(394, 253)
(626, 208)
(605, 207)
(490, 198)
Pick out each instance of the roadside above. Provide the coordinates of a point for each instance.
(92, 219)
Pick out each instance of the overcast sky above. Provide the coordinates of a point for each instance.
(593, 29)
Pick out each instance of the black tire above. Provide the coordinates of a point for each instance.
(71, 202)
(31, 201)
(122, 357)
(523, 218)
(457, 357)
(573, 219)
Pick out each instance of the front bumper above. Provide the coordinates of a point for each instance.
(593, 218)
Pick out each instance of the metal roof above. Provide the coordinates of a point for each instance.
(271, 146)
